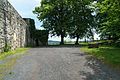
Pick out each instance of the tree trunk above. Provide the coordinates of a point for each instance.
(85, 40)
(77, 43)
(62, 39)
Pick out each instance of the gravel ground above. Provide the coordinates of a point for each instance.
(60, 64)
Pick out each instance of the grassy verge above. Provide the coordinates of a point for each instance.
(8, 63)
(109, 55)
(5, 54)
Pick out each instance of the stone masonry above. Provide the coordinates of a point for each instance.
(30, 30)
(34, 37)
(17, 32)
(12, 27)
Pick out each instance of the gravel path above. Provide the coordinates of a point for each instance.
(60, 64)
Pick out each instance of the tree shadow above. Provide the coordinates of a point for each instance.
(58, 46)
(97, 70)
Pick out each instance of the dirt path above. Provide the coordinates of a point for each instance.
(60, 64)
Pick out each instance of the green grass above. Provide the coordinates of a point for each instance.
(84, 43)
(9, 62)
(5, 54)
(94, 42)
(109, 55)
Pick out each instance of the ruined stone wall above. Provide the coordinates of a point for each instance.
(30, 32)
(35, 37)
(12, 27)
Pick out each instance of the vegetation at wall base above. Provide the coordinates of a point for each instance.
(109, 55)
(7, 47)
(5, 54)
(7, 63)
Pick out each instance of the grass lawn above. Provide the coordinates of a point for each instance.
(109, 55)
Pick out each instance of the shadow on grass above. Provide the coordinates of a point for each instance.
(109, 55)
(96, 69)
(99, 71)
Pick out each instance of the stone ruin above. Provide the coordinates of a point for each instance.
(14, 30)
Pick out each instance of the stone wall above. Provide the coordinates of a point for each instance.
(12, 27)
(30, 32)
(34, 37)
(41, 37)
(16, 32)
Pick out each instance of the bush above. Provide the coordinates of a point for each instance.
(7, 48)
(117, 43)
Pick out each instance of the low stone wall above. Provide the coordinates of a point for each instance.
(12, 27)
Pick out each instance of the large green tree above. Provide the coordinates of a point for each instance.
(82, 19)
(55, 15)
(61, 17)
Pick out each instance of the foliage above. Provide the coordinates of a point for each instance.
(42, 36)
(61, 17)
(109, 55)
(82, 19)
(32, 28)
(5, 54)
(54, 15)
(7, 47)
(109, 19)
(8, 63)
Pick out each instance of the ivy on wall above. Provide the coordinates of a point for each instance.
(42, 36)
(32, 28)
(36, 37)
(39, 36)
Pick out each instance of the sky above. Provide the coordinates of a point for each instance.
(25, 8)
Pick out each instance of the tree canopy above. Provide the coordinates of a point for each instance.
(82, 19)
(63, 17)
(109, 19)
(55, 15)
(79, 18)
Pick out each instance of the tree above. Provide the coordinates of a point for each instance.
(81, 19)
(109, 19)
(55, 15)
(61, 17)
